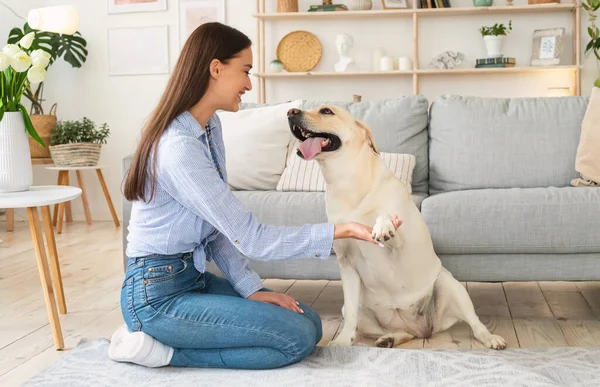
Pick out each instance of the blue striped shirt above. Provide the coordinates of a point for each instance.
(193, 209)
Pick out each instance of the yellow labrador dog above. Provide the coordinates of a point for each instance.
(392, 293)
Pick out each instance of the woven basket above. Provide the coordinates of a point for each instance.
(76, 155)
(299, 51)
(44, 126)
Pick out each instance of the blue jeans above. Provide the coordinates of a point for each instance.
(207, 322)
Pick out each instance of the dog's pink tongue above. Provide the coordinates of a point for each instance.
(311, 147)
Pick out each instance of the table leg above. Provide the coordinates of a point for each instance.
(107, 196)
(42, 263)
(54, 263)
(59, 182)
(86, 207)
(10, 219)
(68, 204)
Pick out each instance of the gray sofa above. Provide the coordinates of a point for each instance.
(492, 181)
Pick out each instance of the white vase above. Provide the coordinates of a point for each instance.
(493, 44)
(359, 5)
(15, 159)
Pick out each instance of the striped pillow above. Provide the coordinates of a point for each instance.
(301, 175)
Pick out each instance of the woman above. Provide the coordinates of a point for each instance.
(184, 214)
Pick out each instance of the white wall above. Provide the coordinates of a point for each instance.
(125, 102)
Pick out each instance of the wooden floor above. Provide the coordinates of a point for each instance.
(526, 314)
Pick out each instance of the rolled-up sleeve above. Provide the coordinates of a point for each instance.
(187, 174)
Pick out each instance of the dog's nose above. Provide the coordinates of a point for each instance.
(293, 112)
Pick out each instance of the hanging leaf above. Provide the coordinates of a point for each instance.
(72, 48)
(29, 126)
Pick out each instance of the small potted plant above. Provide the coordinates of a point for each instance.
(77, 143)
(494, 37)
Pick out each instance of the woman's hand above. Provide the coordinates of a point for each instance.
(279, 299)
(360, 231)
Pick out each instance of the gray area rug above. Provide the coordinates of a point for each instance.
(88, 365)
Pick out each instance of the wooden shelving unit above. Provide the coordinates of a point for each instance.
(415, 14)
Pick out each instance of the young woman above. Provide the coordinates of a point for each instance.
(184, 214)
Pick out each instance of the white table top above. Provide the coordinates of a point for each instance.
(56, 168)
(37, 196)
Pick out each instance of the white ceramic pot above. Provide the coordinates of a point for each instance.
(493, 45)
(15, 159)
(359, 5)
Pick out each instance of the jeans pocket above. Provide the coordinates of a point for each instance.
(158, 270)
(164, 278)
(128, 306)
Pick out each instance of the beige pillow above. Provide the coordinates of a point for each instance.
(587, 162)
(256, 144)
(305, 176)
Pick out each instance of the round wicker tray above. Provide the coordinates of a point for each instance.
(299, 51)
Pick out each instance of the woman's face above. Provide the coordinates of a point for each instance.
(233, 80)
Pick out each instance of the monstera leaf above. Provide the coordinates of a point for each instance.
(72, 48)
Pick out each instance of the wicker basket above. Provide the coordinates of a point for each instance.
(287, 5)
(44, 125)
(76, 155)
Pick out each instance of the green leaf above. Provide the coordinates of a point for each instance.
(585, 6)
(1, 111)
(589, 46)
(29, 126)
(597, 83)
(72, 48)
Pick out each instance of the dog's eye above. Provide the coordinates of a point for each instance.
(326, 111)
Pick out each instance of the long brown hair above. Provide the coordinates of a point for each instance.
(186, 86)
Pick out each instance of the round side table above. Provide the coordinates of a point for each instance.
(44, 197)
(63, 179)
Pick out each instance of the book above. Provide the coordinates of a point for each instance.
(496, 60)
(328, 8)
(492, 65)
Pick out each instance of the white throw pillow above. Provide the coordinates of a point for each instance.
(305, 176)
(256, 144)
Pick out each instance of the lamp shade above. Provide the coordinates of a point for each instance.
(62, 19)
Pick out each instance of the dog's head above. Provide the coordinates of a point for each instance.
(328, 130)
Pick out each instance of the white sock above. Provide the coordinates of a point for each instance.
(139, 348)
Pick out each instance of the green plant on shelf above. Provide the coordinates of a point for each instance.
(593, 46)
(82, 131)
(499, 29)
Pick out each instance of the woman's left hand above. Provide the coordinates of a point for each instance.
(279, 299)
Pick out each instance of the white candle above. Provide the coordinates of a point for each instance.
(386, 64)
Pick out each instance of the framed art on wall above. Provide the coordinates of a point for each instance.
(547, 47)
(123, 6)
(194, 13)
(138, 50)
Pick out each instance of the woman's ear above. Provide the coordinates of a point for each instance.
(370, 138)
(215, 68)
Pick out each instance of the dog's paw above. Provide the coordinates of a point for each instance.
(383, 229)
(495, 342)
(386, 341)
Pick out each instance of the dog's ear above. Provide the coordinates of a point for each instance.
(370, 137)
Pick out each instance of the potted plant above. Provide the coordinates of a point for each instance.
(20, 65)
(72, 48)
(593, 46)
(77, 143)
(494, 37)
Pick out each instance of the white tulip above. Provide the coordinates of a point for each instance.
(11, 49)
(27, 40)
(4, 61)
(20, 62)
(36, 74)
(40, 58)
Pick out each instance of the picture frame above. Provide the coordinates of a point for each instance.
(547, 47)
(394, 4)
(194, 13)
(138, 50)
(128, 6)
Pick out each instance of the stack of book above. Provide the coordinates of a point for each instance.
(327, 8)
(495, 62)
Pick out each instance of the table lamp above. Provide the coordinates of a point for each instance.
(61, 19)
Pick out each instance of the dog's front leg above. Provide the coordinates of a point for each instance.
(384, 230)
(351, 288)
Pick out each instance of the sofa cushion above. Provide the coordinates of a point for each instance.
(514, 221)
(399, 125)
(291, 208)
(480, 142)
(301, 175)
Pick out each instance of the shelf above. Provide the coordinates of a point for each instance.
(553, 7)
(519, 69)
(284, 74)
